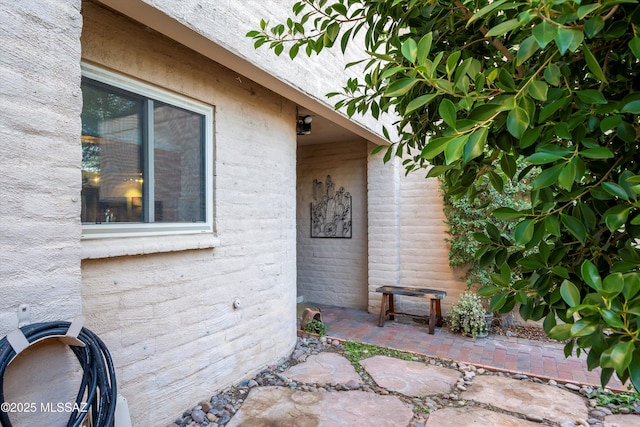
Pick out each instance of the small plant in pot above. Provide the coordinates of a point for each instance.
(468, 316)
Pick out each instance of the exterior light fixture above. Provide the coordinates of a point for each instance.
(303, 125)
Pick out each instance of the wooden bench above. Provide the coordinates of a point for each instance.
(435, 313)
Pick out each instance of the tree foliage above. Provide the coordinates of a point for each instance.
(479, 85)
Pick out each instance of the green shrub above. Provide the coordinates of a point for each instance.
(467, 315)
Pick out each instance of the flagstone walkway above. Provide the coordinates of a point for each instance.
(539, 358)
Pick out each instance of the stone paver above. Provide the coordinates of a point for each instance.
(284, 407)
(620, 420)
(477, 417)
(324, 368)
(410, 378)
(528, 398)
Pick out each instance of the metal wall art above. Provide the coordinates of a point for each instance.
(330, 210)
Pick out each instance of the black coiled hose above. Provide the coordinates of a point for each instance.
(97, 393)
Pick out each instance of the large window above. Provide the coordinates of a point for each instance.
(146, 159)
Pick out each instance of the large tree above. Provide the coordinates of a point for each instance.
(479, 85)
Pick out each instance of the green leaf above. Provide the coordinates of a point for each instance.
(418, 102)
(424, 47)
(551, 108)
(498, 301)
(528, 47)
(503, 28)
(488, 291)
(575, 227)
(567, 176)
(496, 181)
(587, 9)
(593, 65)
(524, 232)
(615, 217)
(475, 146)
(452, 61)
(400, 87)
(610, 122)
(517, 121)
(484, 11)
(631, 285)
(590, 275)
(560, 332)
(597, 153)
(434, 147)
(409, 50)
(538, 90)
(593, 26)
(584, 327)
(530, 137)
(612, 319)
(453, 150)
(552, 225)
(618, 357)
(632, 107)
(615, 190)
(332, 32)
(542, 158)
(570, 293)
(634, 45)
(293, 52)
(634, 370)
(591, 96)
(506, 213)
(567, 39)
(544, 32)
(552, 74)
(447, 111)
(547, 177)
(612, 285)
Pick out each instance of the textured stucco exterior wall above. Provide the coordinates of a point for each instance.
(333, 270)
(424, 253)
(39, 190)
(407, 234)
(168, 317)
(383, 184)
(39, 160)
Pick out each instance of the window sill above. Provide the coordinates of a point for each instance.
(126, 246)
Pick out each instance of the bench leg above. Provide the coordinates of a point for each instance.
(383, 310)
(392, 308)
(435, 315)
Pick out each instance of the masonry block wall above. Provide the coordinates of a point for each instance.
(424, 253)
(383, 184)
(168, 317)
(40, 160)
(333, 270)
(39, 186)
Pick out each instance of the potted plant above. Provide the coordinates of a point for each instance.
(468, 316)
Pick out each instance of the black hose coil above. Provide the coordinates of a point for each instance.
(97, 392)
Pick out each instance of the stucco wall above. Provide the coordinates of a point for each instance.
(168, 317)
(406, 237)
(39, 190)
(424, 254)
(333, 270)
(39, 160)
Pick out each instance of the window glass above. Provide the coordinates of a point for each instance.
(111, 156)
(147, 165)
(178, 171)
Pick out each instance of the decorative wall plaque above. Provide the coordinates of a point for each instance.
(330, 210)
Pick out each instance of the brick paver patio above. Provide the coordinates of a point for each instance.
(539, 358)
